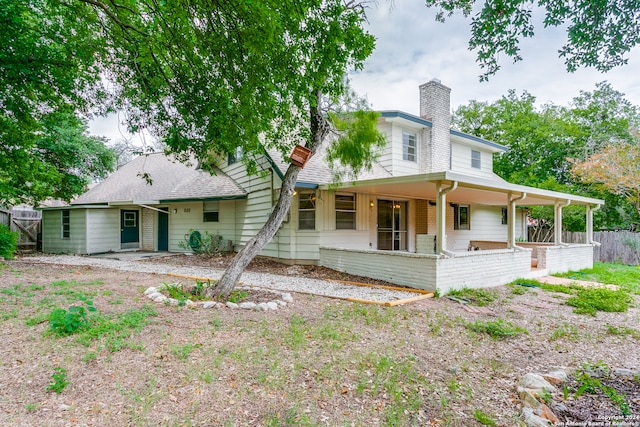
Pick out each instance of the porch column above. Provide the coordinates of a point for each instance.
(589, 229)
(511, 218)
(557, 220)
(441, 216)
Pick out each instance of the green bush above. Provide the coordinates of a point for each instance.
(202, 243)
(8, 242)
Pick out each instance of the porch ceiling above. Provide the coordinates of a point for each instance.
(471, 190)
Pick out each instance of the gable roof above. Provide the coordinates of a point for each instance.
(171, 180)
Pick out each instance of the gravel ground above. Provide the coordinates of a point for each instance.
(283, 283)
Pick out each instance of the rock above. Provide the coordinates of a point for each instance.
(64, 407)
(286, 297)
(154, 294)
(160, 298)
(209, 304)
(271, 305)
(281, 303)
(556, 377)
(533, 420)
(247, 305)
(547, 414)
(623, 372)
(529, 401)
(150, 290)
(173, 301)
(534, 384)
(230, 304)
(189, 303)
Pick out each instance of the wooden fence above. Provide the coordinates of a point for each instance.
(615, 246)
(27, 223)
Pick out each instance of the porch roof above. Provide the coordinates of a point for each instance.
(470, 189)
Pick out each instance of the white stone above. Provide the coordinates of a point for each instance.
(557, 376)
(623, 372)
(150, 290)
(173, 301)
(271, 305)
(209, 304)
(189, 303)
(281, 303)
(64, 407)
(286, 297)
(231, 304)
(535, 384)
(153, 295)
(160, 298)
(247, 305)
(533, 420)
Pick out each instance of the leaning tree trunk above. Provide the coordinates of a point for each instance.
(319, 129)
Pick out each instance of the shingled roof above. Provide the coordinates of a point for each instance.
(171, 180)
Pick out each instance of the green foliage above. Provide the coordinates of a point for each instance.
(623, 330)
(479, 297)
(67, 322)
(8, 242)
(498, 329)
(592, 300)
(237, 295)
(599, 33)
(483, 418)
(589, 383)
(625, 276)
(202, 243)
(59, 380)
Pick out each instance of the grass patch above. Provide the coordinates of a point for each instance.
(498, 329)
(587, 383)
(625, 276)
(591, 300)
(623, 330)
(565, 330)
(479, 297)
(483, 418)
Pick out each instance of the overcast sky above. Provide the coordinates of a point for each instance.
(412, 48)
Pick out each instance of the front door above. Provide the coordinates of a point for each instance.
(392, 225)
(163, 229)
(129, 229)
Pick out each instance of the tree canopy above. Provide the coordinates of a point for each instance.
(600, 33)
(545, 141)
(49, 77)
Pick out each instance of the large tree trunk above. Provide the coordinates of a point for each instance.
(319, 129)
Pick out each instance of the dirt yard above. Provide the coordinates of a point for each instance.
(315, 362)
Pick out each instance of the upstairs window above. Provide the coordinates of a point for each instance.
(211, 211)
(475, 159)
(236, 156)
(409, 146)
(345, 211)
(461, 217)
(307, 211)
(66, 223)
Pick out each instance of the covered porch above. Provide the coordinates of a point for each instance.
(453, 251)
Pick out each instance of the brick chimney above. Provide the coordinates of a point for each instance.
(435, 106)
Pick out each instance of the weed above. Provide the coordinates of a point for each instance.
(566, 330)
(6, 315)
(623, 330)
(207, 377)
(295, 337)
(59, 380)
(66, 322)
(497, 329)
(237, 296)
(182, 351)
(625, 276)
(479, 297)
(517, 290)
(527, 283)
(31, 407)
(592, 300)
(587, 383)
(484, 418)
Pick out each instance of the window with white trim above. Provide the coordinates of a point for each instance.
(65, 222)
(345, 211)
(211, 211)
(461, 217)
(476, 159)
(307, 211)
(409, 146)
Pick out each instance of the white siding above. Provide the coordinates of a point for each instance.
(461, 160)
(189, 215)
(103, 230)
(52, 240)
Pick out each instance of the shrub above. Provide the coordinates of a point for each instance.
(66, 322)
(202, 243)
(8, 242)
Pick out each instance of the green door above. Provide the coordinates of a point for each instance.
(129, 229)
(163, 229)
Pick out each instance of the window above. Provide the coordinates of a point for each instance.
(345, 211)
(307, 211)
(210, 211)
(66, 223)
(461, 218)
(130, 219)
(408, 146)
(236, 156)
(504, 216)
(475, 159)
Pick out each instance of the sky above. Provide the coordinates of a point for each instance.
(412, 48)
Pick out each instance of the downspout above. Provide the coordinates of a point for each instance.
(558, 222)
(590, 212)
(442, 217)
(511, 219)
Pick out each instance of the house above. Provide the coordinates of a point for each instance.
(431, 214)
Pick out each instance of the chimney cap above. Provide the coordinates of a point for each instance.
(436, 81)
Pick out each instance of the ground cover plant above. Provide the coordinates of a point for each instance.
(316, 362)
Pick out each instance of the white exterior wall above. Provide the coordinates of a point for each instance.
(461, 160)
(52, 241)
(189, 215)
(391, 156)
(103, 230)
(472, 270)
(560, 259)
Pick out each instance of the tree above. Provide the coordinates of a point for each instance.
(615, 169)
(48, 78)
(599, 32)
(210, 77)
